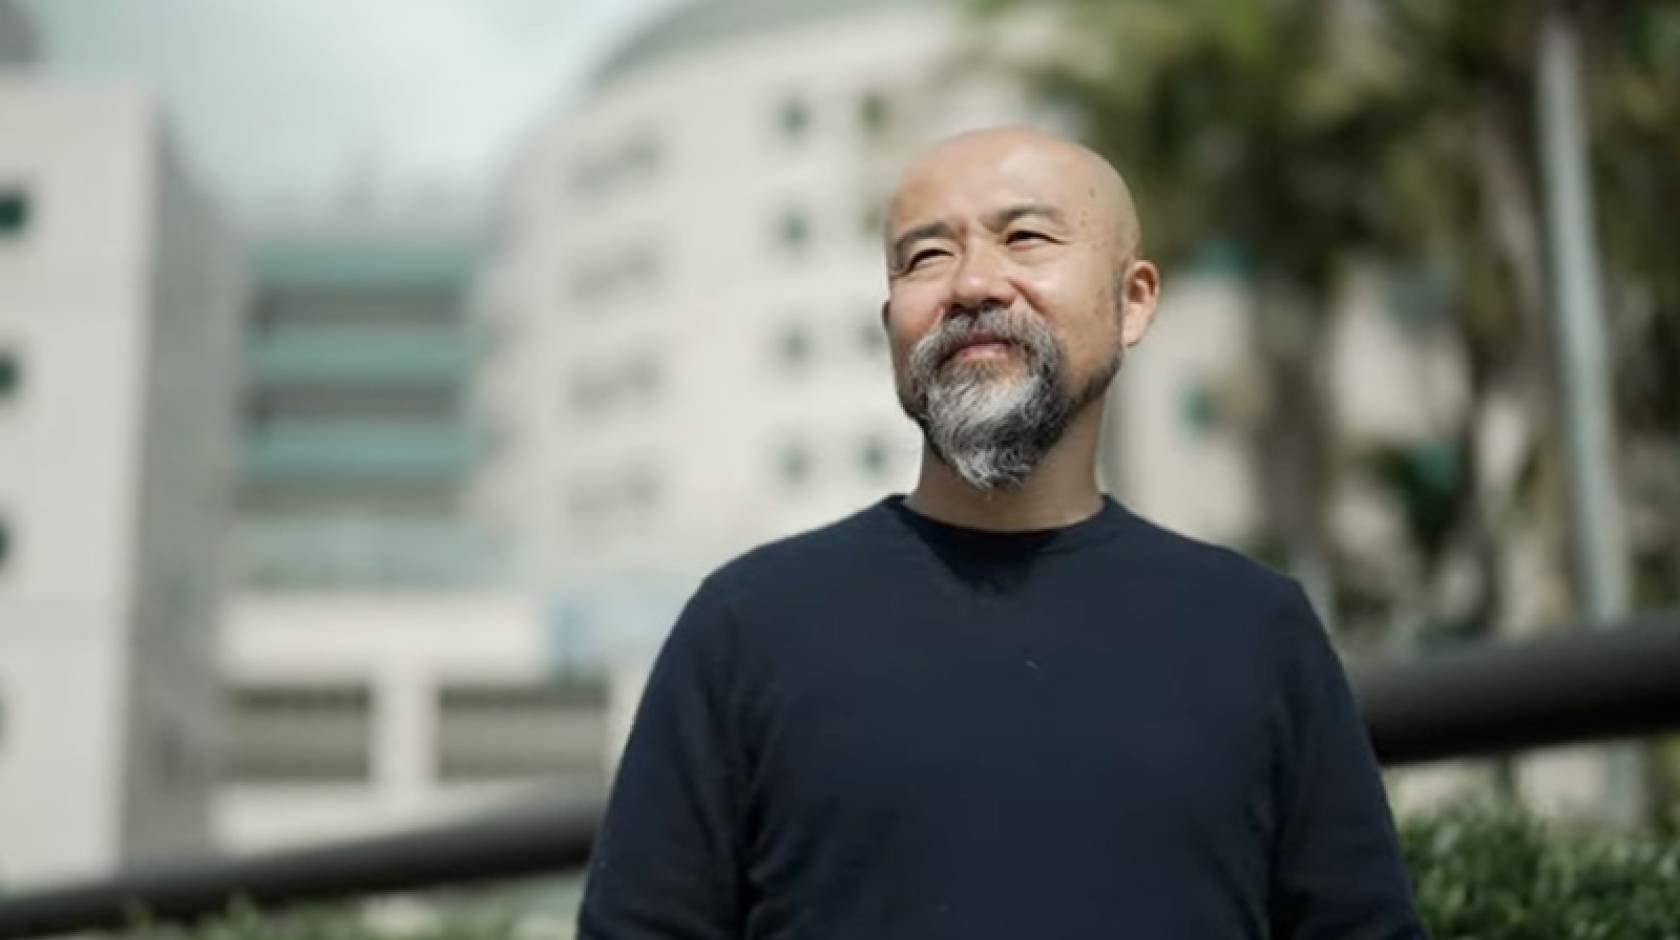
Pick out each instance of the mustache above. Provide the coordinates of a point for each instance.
(991, 324)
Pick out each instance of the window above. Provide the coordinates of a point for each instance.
(582, 506)
(641, 489)
(501, 732)
(874, 113)
(585, 393)
(872, 334)
(873, 457)
(794, 230)
(872, 223)
(1199, 408)
(793, 347)
(794, 464)
(641, 266)
(795, 119)
(14, 211)
(11, 373)
(300, 734)
(641, 155)
(643, 378)
(590, 282)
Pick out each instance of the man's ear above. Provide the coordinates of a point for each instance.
(1137, 299)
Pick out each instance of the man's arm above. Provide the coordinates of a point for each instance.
(666, 862)
(1337, 872)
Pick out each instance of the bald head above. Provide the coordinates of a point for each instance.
(1092, 187)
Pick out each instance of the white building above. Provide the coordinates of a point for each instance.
(119, 292)
(688, 357)
(360, 712)
(380, 671)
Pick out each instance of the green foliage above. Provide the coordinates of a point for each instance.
(1496, 874)
(244, 921)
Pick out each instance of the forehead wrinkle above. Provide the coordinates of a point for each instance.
(1000, 218)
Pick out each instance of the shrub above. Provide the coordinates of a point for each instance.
(1492, 873)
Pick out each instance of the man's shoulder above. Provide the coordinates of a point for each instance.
(797, 559)
(1199, 565)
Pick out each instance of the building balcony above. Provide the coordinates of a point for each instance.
(357, 453)
(359, 357)
(364, 263)
(361, 552)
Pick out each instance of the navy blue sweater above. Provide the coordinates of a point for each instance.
(896, 728)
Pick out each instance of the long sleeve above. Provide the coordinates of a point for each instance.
(666, 862)
(1337, 871)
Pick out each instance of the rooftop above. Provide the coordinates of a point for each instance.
(699, 23)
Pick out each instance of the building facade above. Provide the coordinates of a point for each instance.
(119, 295)
(355, 446)
(380, 669)
(352, 713)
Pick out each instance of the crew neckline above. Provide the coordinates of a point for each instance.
(1102, 524)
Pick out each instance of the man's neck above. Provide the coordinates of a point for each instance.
(1060, 492)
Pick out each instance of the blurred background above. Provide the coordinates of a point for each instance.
(377, 379)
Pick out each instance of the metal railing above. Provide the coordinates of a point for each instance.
(1557, 688)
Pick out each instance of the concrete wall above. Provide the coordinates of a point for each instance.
(107, 470)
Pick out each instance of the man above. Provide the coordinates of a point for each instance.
(1002, 706)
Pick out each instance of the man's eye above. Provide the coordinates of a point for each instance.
(925, 254)
(1026, 236)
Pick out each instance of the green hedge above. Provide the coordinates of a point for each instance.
(1496, 874)
(1480, 873)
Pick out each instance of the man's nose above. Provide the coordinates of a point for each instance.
(981, 279)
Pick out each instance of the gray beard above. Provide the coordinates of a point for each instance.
(991, 429)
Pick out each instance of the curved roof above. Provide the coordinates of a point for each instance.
(697, 23)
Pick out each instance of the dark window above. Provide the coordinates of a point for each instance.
(492, 732)
(14, 210)
(642, 489)
(642, 155)
(793, 348)
(300, 734)
(873, 457)
(794, 230)
(795, 464)
(1199, 408)
(874, 113)
(11, 373)
(587, 393)
(641, 266)
(795, 119)
(872, 334)
(872, 223)
(644, 377)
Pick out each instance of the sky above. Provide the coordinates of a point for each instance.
(285, 103)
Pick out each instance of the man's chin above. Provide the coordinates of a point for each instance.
(987, 369)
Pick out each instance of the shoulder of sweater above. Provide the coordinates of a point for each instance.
(1204, 562)
(780, 561)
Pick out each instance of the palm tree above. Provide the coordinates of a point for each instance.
(1252, 125)
(1311, 133)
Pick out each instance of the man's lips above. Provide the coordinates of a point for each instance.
(982, 344)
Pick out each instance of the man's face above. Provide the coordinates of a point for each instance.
(1007, 280)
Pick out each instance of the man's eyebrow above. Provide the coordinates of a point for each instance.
(1002, 217)
(926, 230)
